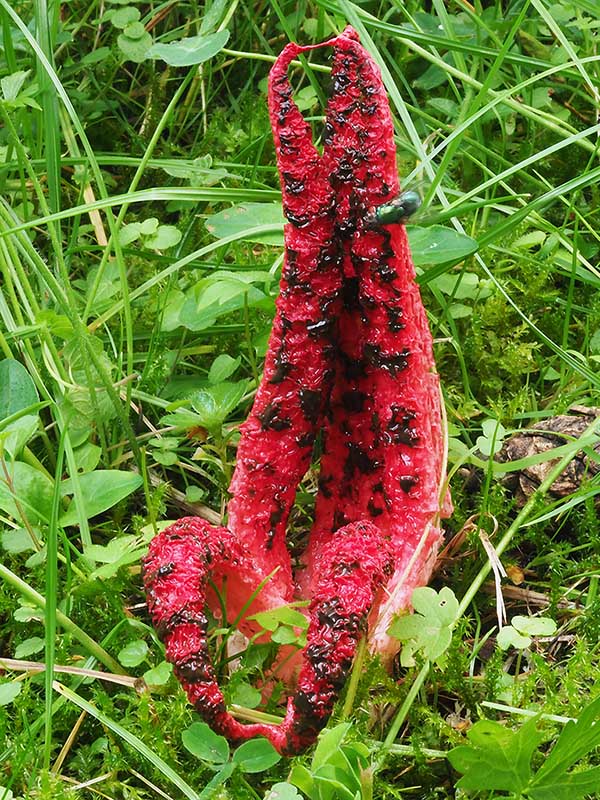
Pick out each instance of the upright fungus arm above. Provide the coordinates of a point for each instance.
(350, 355)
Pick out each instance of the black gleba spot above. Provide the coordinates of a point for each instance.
(310, 403)
(269, 418)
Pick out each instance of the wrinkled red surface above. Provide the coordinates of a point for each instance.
(350, 354)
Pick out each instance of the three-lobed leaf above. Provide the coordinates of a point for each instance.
(429, 629)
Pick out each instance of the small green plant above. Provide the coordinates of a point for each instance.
(501, 760)
(284, 623)
(339, 768)
(429, 630)
(256, 755)
(522, 630)
(151, 234)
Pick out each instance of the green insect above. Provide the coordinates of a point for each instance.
(397, 210)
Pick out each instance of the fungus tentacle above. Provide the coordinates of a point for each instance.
(176, 572)
(351, 355)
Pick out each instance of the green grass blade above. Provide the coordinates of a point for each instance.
(131, 739)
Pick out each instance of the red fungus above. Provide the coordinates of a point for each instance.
(350, 354)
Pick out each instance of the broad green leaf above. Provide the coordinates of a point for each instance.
(11, 86)
(33, 492)
(534, 626)
(113, 551)
(531, 239)
(129, 233)
(493, 435)
(195, 494)
(282, 791)
(133, 653)
(95, 56)
(125, 16)
(438, 245)
(199, 171)
(429, 629)
(443, 106)
(204, 304)
(286, 635)
(328, 744)
(576, 740)
(119, 552)
(26, 613)
(135, 49)
(461, 285)
(57, 324)
(509, 637)
(213, 15)
(17, 389)
(182, 418)
(284, 615)
(29, 647)
(190, 51)
(306, 98)
(9, 691)
(36, 559)
(246, 695)
(101, 489)
(224, 772)
(442, 605)
(348, 760)
(135, 30)
(164, 237)
(149, 226)
(17, 541)
(158, 675)
(302, 777)
(222, 368)
(333, 783)
(15, 436)
(433, 76)
(497, 758)
(219, 293)
(214, 404)
(256, 755)
(573, 786)
(459, 310)
(165, 457)
(87, 457)
(205, 744)
(246, 216)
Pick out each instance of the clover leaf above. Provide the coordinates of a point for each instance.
(429, 629)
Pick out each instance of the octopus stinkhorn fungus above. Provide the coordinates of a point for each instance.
(350, 356)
